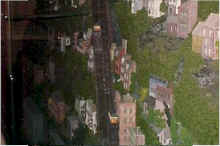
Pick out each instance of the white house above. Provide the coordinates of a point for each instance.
(174, 4)
(87, 112)
(153, 8)
(64, 42)
(137, 5)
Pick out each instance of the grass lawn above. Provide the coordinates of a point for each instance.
(207, 7)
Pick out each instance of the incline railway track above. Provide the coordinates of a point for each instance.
(102, 39)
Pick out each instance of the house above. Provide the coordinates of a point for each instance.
(127, 68)
(153, 8)
(205, 37)
(154, 82)
(175, 4)
(122, 63)
(165, 95)
(126, 109)
(91, 120)
(161, 92)
(161, 107)
(137, 5)
(64, 41)
(83, 44)
(136, 136)
(165, 136)
(181, 24)
(87, 112)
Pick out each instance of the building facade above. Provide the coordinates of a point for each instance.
(165, 136)
(87, 112)
(154, 82)
(175, 4)
(205, 37)
(161, 91)
(153, 8)
(122, 63)
(181, 24)
(126, 109)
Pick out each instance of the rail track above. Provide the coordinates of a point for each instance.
(102, 40)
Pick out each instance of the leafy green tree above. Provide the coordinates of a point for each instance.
(207, 7)
(83, 135)
(163, 7)
(150, 135)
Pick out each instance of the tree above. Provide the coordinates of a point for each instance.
(163, 7)
(83, 135)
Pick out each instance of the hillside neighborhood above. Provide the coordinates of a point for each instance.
(163, 66)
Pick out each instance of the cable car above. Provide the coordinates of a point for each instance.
(114, 119)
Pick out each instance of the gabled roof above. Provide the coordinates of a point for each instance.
(157, 80)
(211, 22)
(165, 94)
(127, 98)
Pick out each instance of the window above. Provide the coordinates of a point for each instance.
(131, 120)
(128, 120)
(121, 109)
(170, 10)
(210, 52)
(210, 33)
(125, 111)
(126, 131)
(125, 120)
(204, 32)
(183, 28)
(130, 111)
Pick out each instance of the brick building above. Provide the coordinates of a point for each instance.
(180, 24)
(122, 63)
(128, 132)
(205, 37)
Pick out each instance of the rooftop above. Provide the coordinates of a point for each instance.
(211, 22)
(127, 98)
(155, 79)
